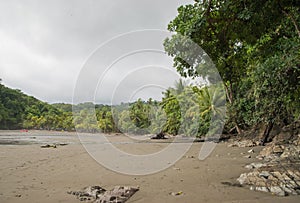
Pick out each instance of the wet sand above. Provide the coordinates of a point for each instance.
(30, 173)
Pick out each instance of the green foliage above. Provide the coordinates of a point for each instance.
(277, 84)
(63, 107)
(171, 106)
(255, 47)
(139, 115)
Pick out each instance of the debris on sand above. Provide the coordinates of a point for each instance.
(53, 145)
(48, 146)
(176, 193)
(97, 194)
(190, 157)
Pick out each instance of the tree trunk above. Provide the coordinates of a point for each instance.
(229, 94)
(239, 131)
(267, 132)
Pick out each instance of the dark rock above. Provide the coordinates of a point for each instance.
(48, 146)
(160, 135)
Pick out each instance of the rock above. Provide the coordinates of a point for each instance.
(94, 191)
(288, 190)
(277, 190)
(258, 165)
(262, 189)
(271, 152)
(264, 174)
(119, 194)
(98, 194)
(258, 143)
(160, 135)
(254, 165)
(291, 151)
(248, 156)
(277, 149)
(294, 174)
(278, 173)
(244, 143)
(249, 166)
(243, 178)
(297, 141)
(265, 151)
(268, 177)
(251, 151)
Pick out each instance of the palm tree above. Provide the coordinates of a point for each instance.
(179, 86)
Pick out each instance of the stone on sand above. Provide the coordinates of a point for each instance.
(97, 194)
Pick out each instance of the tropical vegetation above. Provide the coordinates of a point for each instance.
(255, 47)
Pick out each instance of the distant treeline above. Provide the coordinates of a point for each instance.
(177, 113)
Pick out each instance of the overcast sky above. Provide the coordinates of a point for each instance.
(45, 44)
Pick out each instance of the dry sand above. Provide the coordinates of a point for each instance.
(30, 173)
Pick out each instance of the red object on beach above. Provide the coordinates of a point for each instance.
(24, 130)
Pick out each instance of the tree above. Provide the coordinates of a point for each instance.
(140, 116)
(246, 40)
(171, 106)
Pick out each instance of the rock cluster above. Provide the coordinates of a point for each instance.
(97, 194)
(277, 182)
(279, 171)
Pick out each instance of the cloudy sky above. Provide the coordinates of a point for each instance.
(45, 46)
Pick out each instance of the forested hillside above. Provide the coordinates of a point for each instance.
(183, 110)
(18, 110)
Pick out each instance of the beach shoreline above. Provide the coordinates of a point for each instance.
(30, 173)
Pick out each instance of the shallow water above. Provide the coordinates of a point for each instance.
(28, 138)
(16, 137)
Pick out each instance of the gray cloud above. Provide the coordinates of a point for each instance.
(44, 44)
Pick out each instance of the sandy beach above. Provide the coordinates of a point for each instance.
(30, 173)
